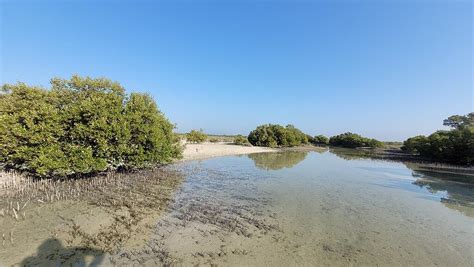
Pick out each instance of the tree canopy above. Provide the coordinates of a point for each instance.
(453, 146)
(81, 126)
(195, 136)
(459, 121)
(273, 135)
(241, 140)
(320, 140)
(352, 140)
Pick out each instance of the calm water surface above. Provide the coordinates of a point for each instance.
(273, 209)
(312, 208)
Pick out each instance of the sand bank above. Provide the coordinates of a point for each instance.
(210, 150)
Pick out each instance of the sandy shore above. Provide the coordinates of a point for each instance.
(210, 150)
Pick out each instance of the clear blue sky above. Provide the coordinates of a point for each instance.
(387, 70)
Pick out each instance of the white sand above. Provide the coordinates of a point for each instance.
(210, 150)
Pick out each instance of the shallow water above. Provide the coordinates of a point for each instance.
(314, 209)
(309, 208)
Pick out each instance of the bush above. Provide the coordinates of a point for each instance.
(320, 140)
(271, 135)
(454, 146)
(415, 144)
(241, 140)
(352, 140)
(81, 126)
(310, 139)
(196, 136)
(214, 140)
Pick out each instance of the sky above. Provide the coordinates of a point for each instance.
(384, 69)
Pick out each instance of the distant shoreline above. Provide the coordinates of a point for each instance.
(208, 150)
(211, 150)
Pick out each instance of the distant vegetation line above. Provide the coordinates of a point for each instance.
(274, 135)
(83, 126)
(453, 146)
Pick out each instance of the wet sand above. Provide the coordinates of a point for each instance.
(72, 222)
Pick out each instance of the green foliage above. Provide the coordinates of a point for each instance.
(271, 135)
(320, 140)
(459, 122)
(241, 140)
(454, 146)
(81, 126)
(196, 136)
(310, 139)
(151, 134)
(415, 144)
(214, 140)
(352, 140)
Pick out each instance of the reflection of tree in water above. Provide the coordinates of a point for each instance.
(373, 154)
(52, 253)
(277, 161)
(351, 154)
(458, 182)
(458, 185)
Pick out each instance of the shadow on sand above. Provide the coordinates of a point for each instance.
(52, 253)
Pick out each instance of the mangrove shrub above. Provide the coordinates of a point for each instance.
(453, 146)
(81, 126)
(241, 140)
(272, 135)
(196, 136)
(352, 140)
(320, 140)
